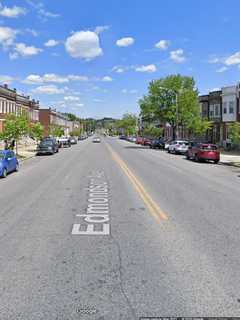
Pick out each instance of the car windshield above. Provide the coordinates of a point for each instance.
(46, 143)
(208, 147)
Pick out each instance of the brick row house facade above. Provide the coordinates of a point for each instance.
(48, 117)
(222, 108)
(13, 102)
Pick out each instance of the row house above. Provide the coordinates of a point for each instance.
(222, 109)
(48, 117)
(12, 102)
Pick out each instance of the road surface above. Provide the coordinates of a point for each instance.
(166, 242)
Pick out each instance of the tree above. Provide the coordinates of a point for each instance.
(172, 100)
(152, 131)
(55, 130)
(36, 130)
(15, 127)
(128, 124)
(235, 132)
(75, 133)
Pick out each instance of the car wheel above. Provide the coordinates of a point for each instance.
(196, 158)
(4, 174)
(187, 156)
(168, 150)
(216, 161)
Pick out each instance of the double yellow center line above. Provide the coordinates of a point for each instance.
(152, 206)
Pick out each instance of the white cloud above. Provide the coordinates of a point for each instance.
(222, 69)
(214, 60)
(51, 43)
(146, 68)
(233, 59)
(32, 32)
(6, 79)
(7, 36)
(125, 42)
(71, 98)
(83, 45)
(119, 69)
(13, 12)
(25, 51)
(100, 29)
(107, 79)
(163, 44)
(177, 56)
(52, 77)
(97, 100)
(73, 77)
(47, 14)
(51, 89)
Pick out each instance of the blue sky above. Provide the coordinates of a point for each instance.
(95, 58)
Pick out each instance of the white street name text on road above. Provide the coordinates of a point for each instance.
(96, 220)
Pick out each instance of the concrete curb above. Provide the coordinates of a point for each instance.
(23, 160)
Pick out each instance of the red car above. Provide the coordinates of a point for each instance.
(146, 142)
(139, 140)
(203, 151)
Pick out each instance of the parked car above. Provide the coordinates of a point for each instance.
(8, 162)
(167, 144)
(203, 151)
(157, 144)
(96, 140)
(139, 140)
(146, 142)
(178, 147)
(47, 146)
(122, 137)
(64, 142)
(54, 141)
(73, 140)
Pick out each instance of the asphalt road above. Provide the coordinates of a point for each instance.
(172, 248)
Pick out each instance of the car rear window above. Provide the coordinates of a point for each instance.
(209, 147)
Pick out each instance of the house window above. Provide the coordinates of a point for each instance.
(225, 107)
(211, 111)
(231, 107)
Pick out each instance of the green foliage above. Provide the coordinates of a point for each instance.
(173, 99)
(36, 131)
(15, 127)
(56, 131)
(76, 133)
(128, 124)
(235, 132)
(152, 132)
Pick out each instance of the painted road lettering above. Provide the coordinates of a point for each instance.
(96, 219)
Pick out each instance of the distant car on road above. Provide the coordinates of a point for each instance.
(73, 140)
(178, 147)
(203, 151)
(96, 140)
(157, 144)
(47, 146)
(8, 162)
(64, 142)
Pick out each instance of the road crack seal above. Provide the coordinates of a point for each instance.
(121, 278)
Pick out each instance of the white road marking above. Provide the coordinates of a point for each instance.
(96, 219)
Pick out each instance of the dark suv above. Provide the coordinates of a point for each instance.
(47, 146)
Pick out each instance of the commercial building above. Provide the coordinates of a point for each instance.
(13, 102)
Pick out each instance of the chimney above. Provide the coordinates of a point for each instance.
(5, 85)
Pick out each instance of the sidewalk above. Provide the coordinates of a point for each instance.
(26, 149)
(230, 158)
